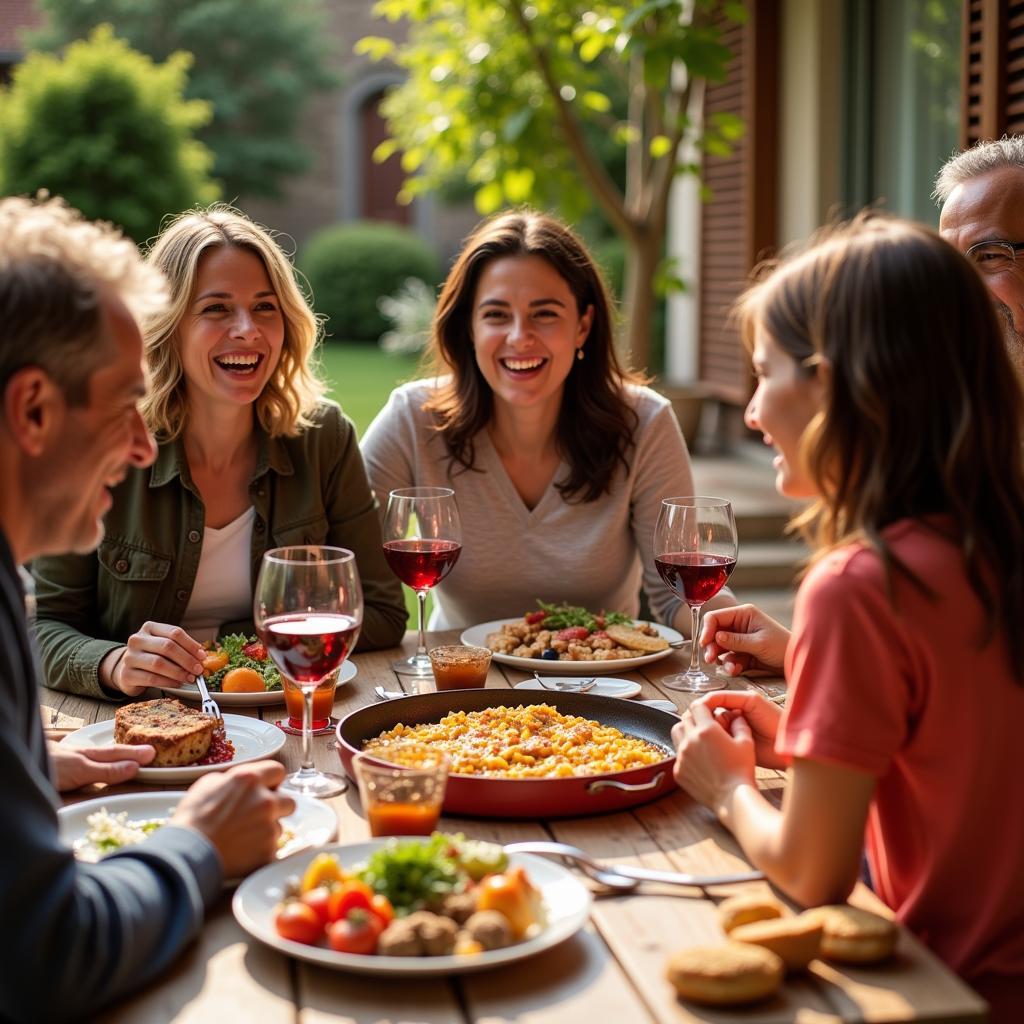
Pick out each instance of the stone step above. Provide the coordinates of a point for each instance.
(774, 601)
(768, 564)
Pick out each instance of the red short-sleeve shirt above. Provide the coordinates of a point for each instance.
(905, 689)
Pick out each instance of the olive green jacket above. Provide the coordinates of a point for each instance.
(310, 489)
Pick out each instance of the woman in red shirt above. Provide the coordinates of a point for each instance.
(886, 390)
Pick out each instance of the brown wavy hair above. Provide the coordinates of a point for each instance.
(923, 413)
(289, 400)
(596, 426)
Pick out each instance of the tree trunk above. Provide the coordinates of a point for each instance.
(643, 252)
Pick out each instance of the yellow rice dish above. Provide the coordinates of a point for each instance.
(525, 742)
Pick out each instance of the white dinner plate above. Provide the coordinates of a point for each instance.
(252, 738)
(603, 687)
(313, 822)
(566, 905)
(477, 636)
(250, 700)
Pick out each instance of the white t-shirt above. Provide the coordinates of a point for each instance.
(223, 587)
(594, 553)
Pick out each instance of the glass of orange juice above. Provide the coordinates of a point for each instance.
(460, 667)
(323, 703)
(403, 796)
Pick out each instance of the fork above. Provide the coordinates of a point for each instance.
(568, 686)
(209, 704)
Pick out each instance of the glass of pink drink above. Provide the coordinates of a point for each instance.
(308, 609)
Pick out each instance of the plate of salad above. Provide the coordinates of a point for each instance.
(430, 906)
(239, 673)
(564, 639)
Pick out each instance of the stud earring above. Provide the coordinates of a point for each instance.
(579, 353)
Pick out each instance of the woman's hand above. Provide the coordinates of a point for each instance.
(750, 642)
(157, 655)
(761, 716)
(81, 766)
(712, 759)
(238, 811)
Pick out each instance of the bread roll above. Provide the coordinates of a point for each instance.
(727, 975)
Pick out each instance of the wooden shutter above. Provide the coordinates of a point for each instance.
(993, 70)
(739, 220)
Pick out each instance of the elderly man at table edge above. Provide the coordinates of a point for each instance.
(981, 192)
(71, 377)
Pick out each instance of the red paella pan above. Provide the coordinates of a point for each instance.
(529, 798)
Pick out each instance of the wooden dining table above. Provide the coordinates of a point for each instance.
(610, 972)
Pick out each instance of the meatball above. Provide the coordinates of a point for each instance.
(459, 906)
(490, 928)
(436, 933)
(400, 938)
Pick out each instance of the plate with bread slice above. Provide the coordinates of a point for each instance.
(188, 743)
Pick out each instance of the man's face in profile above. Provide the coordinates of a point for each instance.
(991, 208)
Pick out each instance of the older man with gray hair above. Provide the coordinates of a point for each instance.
(981, 192)
(72, 294)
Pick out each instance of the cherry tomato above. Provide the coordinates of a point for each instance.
(323, 869)
(573, 633)
(381, 906)
(319, 899)
(214, 662)
(349, 896)
(257, 650)
(534, 617)
(297, 922)
(357, 932)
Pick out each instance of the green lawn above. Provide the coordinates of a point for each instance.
(361, 377)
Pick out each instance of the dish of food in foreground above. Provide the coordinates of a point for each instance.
(527, 741)
(250, 738)
(433, 906)
(97, 828)
(251, 699)
(564, 639)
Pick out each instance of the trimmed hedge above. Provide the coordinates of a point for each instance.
(351, 266)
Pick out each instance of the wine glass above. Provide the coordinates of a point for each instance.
(695, 552)
(308, 609)
(422, 542)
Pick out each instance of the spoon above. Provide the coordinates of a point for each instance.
(625, 877)
(383, 694)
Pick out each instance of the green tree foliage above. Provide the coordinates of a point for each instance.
(256, 61)
(538, 100)
(351, 266)
(109, 130)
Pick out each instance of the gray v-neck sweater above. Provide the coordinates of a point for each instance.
(594, 554)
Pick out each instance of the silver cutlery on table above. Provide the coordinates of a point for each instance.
(568, 685)
(209, 704)
(624, 876)
(383, 694)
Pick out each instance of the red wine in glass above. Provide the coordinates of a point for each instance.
(421, 564)
(422, 542)
(308, 647)
(307, 608)
(694, 577)
(695, 553)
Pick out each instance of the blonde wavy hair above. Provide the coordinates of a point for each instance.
(285, 407)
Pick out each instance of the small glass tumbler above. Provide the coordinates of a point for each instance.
(404, 796)
(459, 667)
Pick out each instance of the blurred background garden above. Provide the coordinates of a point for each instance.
(685, 139)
